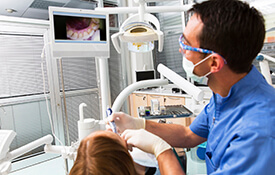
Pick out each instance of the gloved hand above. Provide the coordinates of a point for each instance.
(145, 141)
(124, 121)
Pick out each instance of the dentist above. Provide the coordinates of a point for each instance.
(219, 43)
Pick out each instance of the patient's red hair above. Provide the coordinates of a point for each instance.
(102, 155)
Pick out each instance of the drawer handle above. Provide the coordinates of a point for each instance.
(152, 96)
(140, 95)
(174, 98)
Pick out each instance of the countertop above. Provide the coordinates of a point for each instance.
(167, 91)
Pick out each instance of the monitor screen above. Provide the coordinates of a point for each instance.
(145, 75)
(74, 27)
(79, 32)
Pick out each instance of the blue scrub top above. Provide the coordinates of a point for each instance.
(240, 128)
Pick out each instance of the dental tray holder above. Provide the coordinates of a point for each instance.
(172, 111)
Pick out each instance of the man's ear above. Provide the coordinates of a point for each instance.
(217, 62)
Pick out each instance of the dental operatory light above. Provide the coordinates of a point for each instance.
(139, 36)
(138, 32)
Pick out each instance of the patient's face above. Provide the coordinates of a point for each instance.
(107, 134)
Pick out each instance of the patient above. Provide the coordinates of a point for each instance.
(103, 152)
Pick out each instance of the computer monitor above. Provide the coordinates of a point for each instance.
(145, 75)
(79, 32)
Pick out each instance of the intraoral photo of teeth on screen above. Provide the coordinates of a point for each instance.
(83, 29)
(79, 28)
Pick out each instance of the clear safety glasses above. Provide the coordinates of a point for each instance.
(187, 47)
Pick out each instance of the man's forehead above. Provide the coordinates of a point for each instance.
(193, 29)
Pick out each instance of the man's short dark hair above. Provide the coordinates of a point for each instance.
(232, 29)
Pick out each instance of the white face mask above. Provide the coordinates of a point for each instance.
(188, 66)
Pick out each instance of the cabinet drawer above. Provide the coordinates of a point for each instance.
(171, 100)
(137, 100)
(158, 97)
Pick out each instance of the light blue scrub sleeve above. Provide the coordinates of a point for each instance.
(200, 125)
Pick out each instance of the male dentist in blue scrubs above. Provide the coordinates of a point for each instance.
(219, 43)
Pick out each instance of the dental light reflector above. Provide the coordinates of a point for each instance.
(141, 46)
(139, 32)
(140, 36)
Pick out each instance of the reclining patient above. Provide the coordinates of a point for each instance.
(103, 152)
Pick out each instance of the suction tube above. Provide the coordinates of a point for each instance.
(131, 88)
(188, 87)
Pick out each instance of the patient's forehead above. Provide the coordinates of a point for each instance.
(103, 133)
(106, 134)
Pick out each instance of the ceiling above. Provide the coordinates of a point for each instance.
(265, 6)
(38, 9)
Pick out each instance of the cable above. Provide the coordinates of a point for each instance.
(47, 105)
(46, 98)
(64, 100)
(5, 113)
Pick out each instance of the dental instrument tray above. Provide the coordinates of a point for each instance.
(169, 111)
